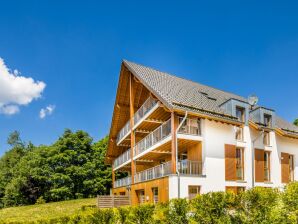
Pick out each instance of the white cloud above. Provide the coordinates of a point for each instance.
(46, 111)
(16, 90)
(9, 109)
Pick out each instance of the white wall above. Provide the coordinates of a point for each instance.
(215, 135)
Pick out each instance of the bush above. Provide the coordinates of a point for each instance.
(214, 207)
(177, 212)
(142, 214)
(40, 201)
(256, 205)
(290, 202)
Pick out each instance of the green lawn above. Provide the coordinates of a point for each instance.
(49, 210)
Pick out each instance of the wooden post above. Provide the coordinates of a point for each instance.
(113, 177)
(132, 137)
(173, 132)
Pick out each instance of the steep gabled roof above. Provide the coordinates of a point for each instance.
(182, 94)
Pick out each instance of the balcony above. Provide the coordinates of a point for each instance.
(122, 182)
(122, 159)
(153, 138)
(142, 112)
(123, 132)
(154, 172)
(188, 167)
(144, 109)
(190, 126)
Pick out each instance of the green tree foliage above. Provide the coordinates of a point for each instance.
(296, 122)
(73, 167)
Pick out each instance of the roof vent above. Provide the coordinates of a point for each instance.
(205, 94)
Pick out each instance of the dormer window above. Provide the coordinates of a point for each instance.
(267, 120)
(240, 113)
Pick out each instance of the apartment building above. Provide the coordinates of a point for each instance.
(172, 137)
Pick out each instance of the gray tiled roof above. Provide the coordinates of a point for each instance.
(286, 126)
(178, 93)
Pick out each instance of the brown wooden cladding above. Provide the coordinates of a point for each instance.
(285, 167)
(259, 165)
(230, 162)
(163, 190)
(194, 152)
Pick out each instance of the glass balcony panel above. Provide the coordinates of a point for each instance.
(154, 172)
(154, 137)
(123, 182)
(189, 167)
(124, 157)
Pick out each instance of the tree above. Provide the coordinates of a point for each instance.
(296, 122)
(72, 167)
(14, 139)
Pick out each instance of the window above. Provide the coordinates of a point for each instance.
(155, 195)
(239, 164)
(239, 133)
(141, 196)
(240, 113)
(291, 165)
(266, 138)
(193, 191)
(262, 165)
(191, 126)
(266, 166)
(287, 167)
(235, 190)
(267, 120)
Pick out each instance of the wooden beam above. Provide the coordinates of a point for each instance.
(142, 131)
(174, 125)
(161, 152)
(154, 121)
(132, 135)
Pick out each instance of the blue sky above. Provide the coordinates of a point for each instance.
(76, 50)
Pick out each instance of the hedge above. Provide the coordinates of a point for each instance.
(257, 205)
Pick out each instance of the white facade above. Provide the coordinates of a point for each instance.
(214, 137)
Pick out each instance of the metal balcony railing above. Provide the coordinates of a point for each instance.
(190, 126)
(123, 131)
(154, 172)
(154, 137)
(144, 109)
(141, 112)
(123, 182)
(124, 157)
(189, 167)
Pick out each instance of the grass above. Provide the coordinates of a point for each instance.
(49, 210)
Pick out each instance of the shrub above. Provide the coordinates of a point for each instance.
(256, 205)
(177, 211)
(142, 214)
(40, 201)
(290, 202)
(214, 207)
(123, 213)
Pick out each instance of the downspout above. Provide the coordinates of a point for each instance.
(253, 159)
(176, 145)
